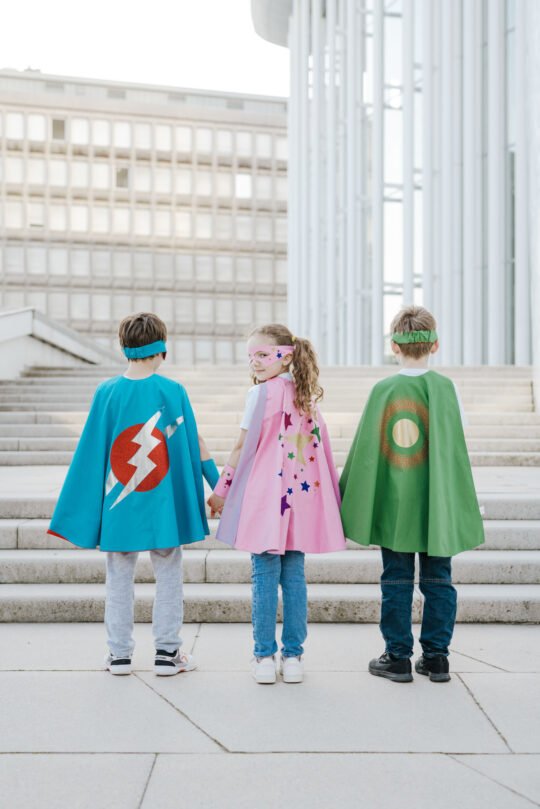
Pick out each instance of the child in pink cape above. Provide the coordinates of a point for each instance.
(278, 494)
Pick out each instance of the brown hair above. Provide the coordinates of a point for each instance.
(141, 329)
(304, 368)
(413, 318)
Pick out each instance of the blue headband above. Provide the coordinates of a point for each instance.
(141, 352)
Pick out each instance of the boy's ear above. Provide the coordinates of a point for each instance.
(395, 348)
(434, 347)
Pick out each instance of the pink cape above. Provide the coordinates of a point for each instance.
(285, 493)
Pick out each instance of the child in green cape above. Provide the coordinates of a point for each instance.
(407, 486)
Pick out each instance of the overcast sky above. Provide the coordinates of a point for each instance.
(208, 44)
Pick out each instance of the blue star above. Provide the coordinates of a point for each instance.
(289, 491)
(305, 486)
(280, 474)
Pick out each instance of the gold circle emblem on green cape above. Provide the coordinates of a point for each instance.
(404, 433)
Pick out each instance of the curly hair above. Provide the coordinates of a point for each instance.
(304, 367)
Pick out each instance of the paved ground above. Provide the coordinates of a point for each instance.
(73, 735)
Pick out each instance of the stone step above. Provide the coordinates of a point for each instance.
(224, 603)
(63, 458)
(219, 420)
(224, 445)
(224, 567)
(31, 534)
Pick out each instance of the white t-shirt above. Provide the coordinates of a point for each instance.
(419, 372)
(251, 402)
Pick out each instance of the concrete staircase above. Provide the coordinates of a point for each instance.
(44, 579)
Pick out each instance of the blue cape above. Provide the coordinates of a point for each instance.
(135, 482)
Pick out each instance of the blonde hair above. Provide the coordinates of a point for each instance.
(413, 318)
(304, 368)
(141, 329)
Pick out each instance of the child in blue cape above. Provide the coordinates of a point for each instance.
(136, 484)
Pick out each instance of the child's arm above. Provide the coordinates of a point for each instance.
(216, 501)
(209, 468)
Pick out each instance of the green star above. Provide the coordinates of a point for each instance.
(316, 432)
(291, 455)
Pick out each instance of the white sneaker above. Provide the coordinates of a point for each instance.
(117, 664)
(168, 663)
(264, 670)
(292, 669)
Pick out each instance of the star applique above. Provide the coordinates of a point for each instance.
(295, 477)
(279, 437)
(228, 482)
(290, 455)
(305, 486)
(310, 421)
(288, 420)
(289, 491)
(316, 484)
(284, 505)
(315, 445)
(300, 441)
(280, 474)
(316, 431)
(312, 459)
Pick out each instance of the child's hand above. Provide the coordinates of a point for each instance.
(216, 505)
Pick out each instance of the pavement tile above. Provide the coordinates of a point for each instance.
(346, 712)
(322, 781)
(77, 781)
(512, 702)
(84, 712)
(512, 647)
(520, 773)
(72, 647)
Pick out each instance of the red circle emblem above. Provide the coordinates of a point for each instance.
(123, 450)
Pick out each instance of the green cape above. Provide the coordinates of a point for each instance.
(407, 484)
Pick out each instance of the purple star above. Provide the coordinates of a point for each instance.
(305, 486)
(288, 420)
(280, 474)
(284, 505)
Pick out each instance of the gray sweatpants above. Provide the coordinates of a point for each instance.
(168, 609)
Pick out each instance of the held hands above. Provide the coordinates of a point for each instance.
(216, 504)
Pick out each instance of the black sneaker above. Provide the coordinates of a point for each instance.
(436, 668)
(393, 668)
(118, 665)
(169, 663)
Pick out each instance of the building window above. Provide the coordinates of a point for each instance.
(13, 215)
(203, 183)
(58, 173)
(184, 139)
(80, 131)
(224, 311)
(263, 226)
(282, 151)
(162, 223)
(244, 144)
(143, 136)
(204, 310)
(36, 260)
(224, 269)
(101, 307)
(101, 264)
(203, 226)
(80, 263)
(281, 230)
(100, 220)
(57, 217)
(122, 177)
(182, 224)
(35, 215)
(281, 272)
(263, 311)
(101, 133)
(243, 186)
(58, 129)
(224, 142)
(101, 176)
(244, 312)
(142, 267)
(37, 128)
(79, 218)
(244, 228)
(244, 271)
(224, 184)
(143, 179)
(122, 134)
(122, 264)
(183, 310)
(163, 181)
(80, 306)
(223, 227)
(263, 145)
(263, 270)
(14, 170)
(58, 261)
(80, 174)
(35, 169)
(282, 189)
(143, 221)
(184, 267)
(204, 140)
(121, 220)
(183, 181)
(163, 138)
(264, 187)
(14, 126)
(204, 269)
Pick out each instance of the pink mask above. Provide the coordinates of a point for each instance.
(273, 354)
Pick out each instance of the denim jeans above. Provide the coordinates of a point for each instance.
(268, 571)
(168, 609)
(440, 604)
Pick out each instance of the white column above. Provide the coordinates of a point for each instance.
(352, 179)
(362, 322)
(331, 123)
(522, 312)
(305, 174)
(456, 268)
(293, 170)
(427, 152)
(408, 151)
(315, 266)
(496, 325)
(472, 182)
(377, 186)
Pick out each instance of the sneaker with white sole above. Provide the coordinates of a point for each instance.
(292, 669)
(117, 664)
(264, 670)
(168, 663)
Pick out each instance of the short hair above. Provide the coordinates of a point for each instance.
(413, 318)
(141, 329)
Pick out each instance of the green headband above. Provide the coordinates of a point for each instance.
(415, 337)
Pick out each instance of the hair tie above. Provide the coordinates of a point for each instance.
(294, 339)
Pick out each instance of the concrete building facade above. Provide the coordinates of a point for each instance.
(409, 147)
(117, 198)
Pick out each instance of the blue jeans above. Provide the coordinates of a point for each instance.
(397, 584)
(268, 571)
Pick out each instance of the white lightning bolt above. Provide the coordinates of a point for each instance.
(140, 459)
